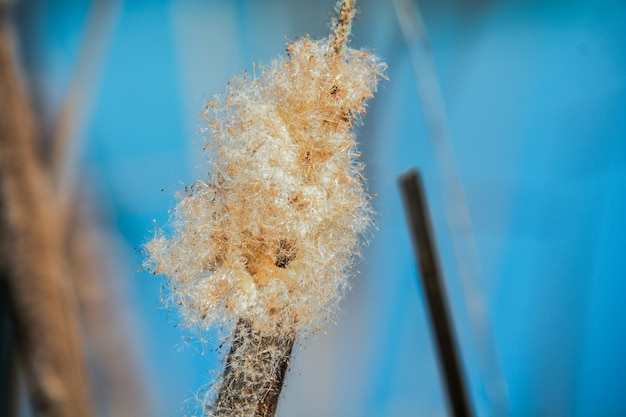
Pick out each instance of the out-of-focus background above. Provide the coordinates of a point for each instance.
(534, 131)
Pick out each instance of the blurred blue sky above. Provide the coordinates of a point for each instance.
(536, 98)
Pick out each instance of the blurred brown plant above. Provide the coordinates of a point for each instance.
(45, 309)
(60, 303)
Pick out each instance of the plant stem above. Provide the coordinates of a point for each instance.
(254, 373)
(343, 25)
(434, 292)
(257, 364)
(46, 321)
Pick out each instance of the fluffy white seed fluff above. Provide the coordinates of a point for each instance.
(271, 235)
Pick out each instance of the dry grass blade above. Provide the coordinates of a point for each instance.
(66, 138)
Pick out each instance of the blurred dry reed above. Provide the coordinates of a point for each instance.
(56, 287)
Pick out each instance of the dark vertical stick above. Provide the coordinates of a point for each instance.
(456, 211)
(432, 283)
(8, 355)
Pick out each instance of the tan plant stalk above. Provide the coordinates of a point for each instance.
(46, 325)
(268, 240)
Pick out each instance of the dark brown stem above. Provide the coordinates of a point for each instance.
(254, 374)
(434, 293)
(8, 354)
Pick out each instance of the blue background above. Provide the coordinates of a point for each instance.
(535, 93)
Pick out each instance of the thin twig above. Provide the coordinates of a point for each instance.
(433, 287)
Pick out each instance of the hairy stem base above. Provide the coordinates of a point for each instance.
(254, 373)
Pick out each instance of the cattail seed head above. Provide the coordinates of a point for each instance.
(271, 235)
